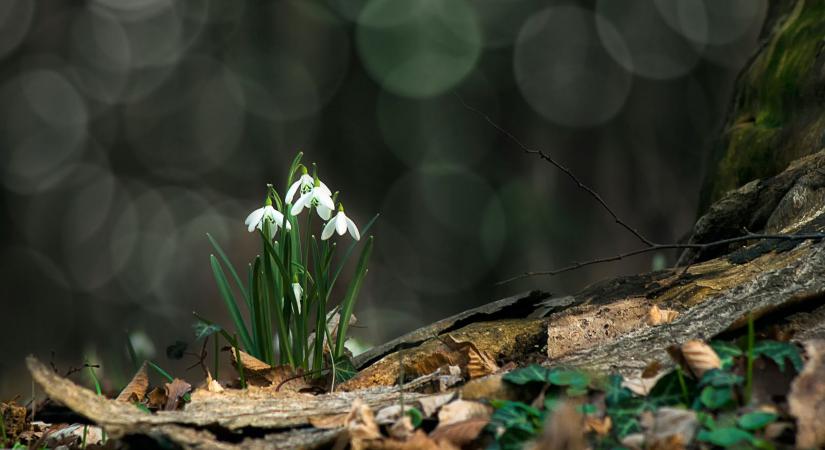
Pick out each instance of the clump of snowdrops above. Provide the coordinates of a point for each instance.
(289, 286)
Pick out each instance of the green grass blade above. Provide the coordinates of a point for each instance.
(350, 250)
(229, 265)
(292, 168)
(270, 258)
(94, 378)
(352, 294)
(231, 304)
(160, 371)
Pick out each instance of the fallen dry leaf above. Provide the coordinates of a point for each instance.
(402, 428)
(361, 425)
(418, 441)
(634, 441)
(700, 357)
(653, 368)
(429, 405)
(212, 385)
(136, 389)
(599, 426)
(641, 385)
(174, 393)
(478, 362)
(671, 428)
(563, 430)
(259, 373)
(807, 398)
(460, 433)
(156, 398)
(462, 411)
(657, 316)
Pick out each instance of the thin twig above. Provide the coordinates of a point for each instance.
(655, 247)
(546, 156)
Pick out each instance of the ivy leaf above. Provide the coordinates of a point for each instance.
(513, 423)
(415, 417)
(203, 330)
(725, 437)
(586, 409)
(756, 420)
(530, 374)
(625, 417)
(615, 393)
(572, 378)
(727, 352)
(720, 378)
(668, 391)
(779, 352)
(343, 369)
(715, 397)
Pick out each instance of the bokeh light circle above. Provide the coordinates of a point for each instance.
(713, 22)
(563, 71)
(418, 48)
(15, 20)
(650, 47)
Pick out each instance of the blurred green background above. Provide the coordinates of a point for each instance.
(130, 128)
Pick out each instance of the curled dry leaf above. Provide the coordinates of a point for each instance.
(461, 433)
(174, 393)
(478, 362)
(402, 428)
(259, 373)
(212, 385)
(462, 411)
(657, 316)
(156, 398)
(807, 398)
(672, 426)
(599, 426)
(700, 357)
(418, 441)
(136, 389)
(361, 426)
(430, 404)
(641, 385)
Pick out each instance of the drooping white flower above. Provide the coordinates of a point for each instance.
(304, 184)
(256, 218)
(340, 224)
(319, 197)
(298, 291)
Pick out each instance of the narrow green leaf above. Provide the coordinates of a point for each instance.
(351, 247)
(229, 265)
(231, 304)
(348, 303)
(530, 374)
(727, 352)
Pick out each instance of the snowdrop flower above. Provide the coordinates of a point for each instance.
(319, 197)
(256, 218)
(298, 291)
(305, 184)
(340, 223)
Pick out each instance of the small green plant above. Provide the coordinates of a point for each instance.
(289, 287)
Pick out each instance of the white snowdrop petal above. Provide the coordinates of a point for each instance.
(290, 193)
(353, 230)
(328, 229)
(254, 219)
(299, 205)
(324, 212)
(341, 223)
(324, 199)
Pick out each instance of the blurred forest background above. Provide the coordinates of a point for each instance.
(131, 128)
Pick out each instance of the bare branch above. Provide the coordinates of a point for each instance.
(655, 247)
(546, 156)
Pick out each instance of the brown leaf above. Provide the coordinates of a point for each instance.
(478, 362)
(418, 441)
(156, 399)
(562, 431)
(671, 428)
(460, 433)
(672, 442)
(653, 368)
(430, 404)
(807, 398)
(597, 425)
(259, 373)
(361, 425)
(700, 357)
(136, 389)
(657, 316)
(212, 384)
(640, 385)
(402, 428)
(174, 391)
(462, 411)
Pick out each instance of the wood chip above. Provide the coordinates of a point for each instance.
(700, 357)
(136, 389)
